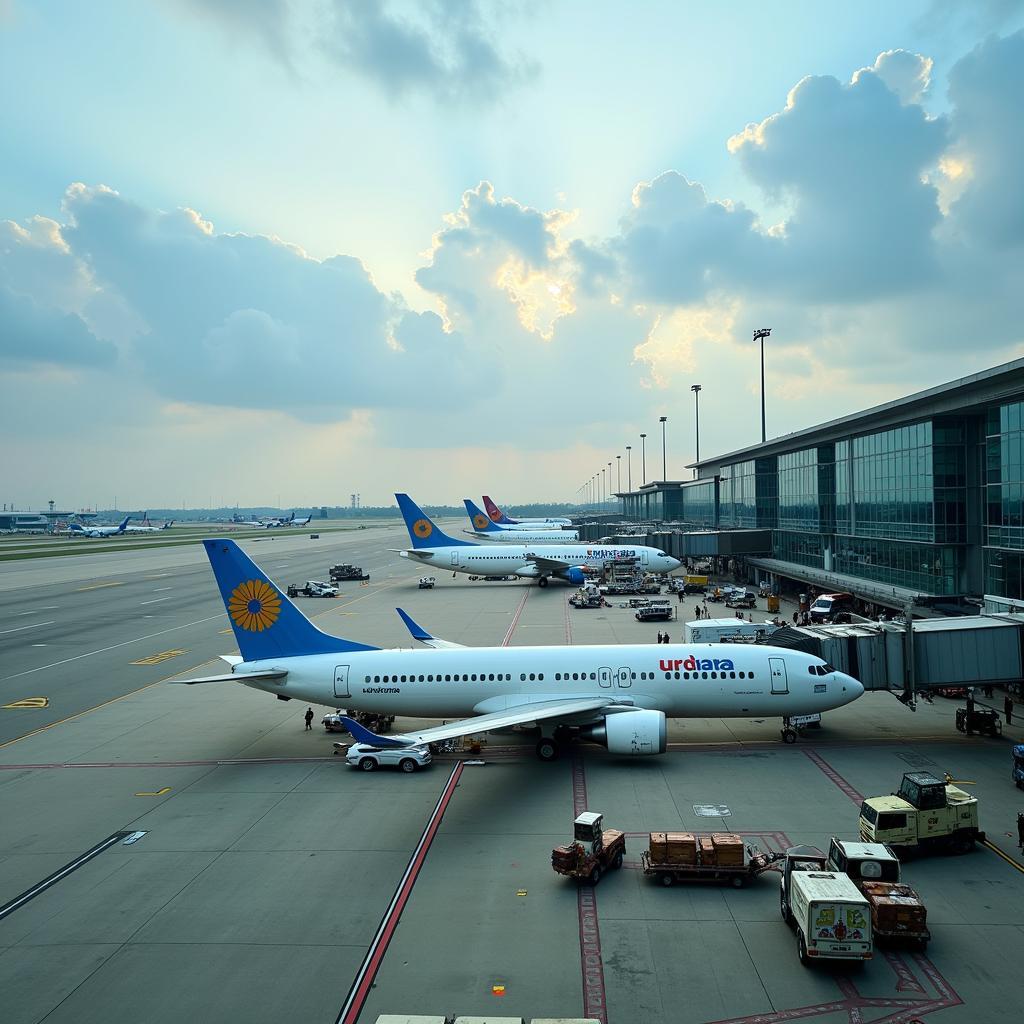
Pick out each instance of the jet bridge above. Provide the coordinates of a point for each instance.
(975, 650)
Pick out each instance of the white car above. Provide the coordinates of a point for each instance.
(369, 758)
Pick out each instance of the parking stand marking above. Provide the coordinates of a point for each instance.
(856, 797)
(363, 980)
(515, 618)
(595, 1005)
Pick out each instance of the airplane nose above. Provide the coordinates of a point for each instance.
(853, 688)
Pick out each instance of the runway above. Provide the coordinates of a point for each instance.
(268, 871)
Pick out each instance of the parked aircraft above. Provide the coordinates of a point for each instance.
(76, 529)
(539, 561)
(499, 517)
(149, 529)
(483, 527)
(617, 695)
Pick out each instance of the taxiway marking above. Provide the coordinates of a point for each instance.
(113, 647)
(1009, 860)
(155, 659)
(156, 600)
(99, 586)
(34, 625)
(159, 792)
(29, 702)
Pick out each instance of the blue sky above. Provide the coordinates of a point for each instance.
(416, 241)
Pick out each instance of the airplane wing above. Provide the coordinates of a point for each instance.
(425, 638)
(518, 715)
(554, 564)
(232, 677)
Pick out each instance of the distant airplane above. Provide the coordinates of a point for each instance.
(272, 522)
(76, 529)
(499, 517)
(617, 695)
(484, 528)
(149, 529)
(539, 561)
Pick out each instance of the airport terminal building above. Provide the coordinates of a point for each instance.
(920, 499)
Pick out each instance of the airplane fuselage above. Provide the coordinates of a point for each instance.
(552, 536)
(683, 681)
(506, 559)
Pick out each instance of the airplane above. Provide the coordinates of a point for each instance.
(539, 561)
(149, 529)
(76, 529)
(619, 696)
(483, 527)
(499, 517)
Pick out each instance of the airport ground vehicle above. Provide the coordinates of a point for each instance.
(332, 721)
(897, 912)
(714, 631)
(985, 721)
(427, 582)
(654, 613)
(688, 857)
(744, 600)
(831, 916)
(593, 851)
(348, 572)
(588, 597)
(312, 588)
(926, 815)
(826, 606)
(369, 758)
(1017, 772)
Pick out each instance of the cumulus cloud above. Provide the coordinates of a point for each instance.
(905, 74)
(30, 334)
(265, 22)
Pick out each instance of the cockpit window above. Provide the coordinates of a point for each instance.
(827, 668)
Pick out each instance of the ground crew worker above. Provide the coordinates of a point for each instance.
(309, 719)
(1020, 829)
(1008, 708)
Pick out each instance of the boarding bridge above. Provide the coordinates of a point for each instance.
(974, 650)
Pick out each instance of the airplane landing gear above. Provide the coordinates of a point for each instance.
(547, 749)
(542, 581)
(788, 732)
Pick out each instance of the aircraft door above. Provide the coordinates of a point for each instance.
(604, 676)
(341, 681)
(780, 681)
(455, 558)
(624, 678)
(643, 557)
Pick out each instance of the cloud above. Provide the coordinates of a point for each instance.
(265, 22)
(905, 74)
(444, 49)
(29, 334)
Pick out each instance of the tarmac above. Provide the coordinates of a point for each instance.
(273, 882)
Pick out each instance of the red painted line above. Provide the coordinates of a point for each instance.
(595, 1003)
(515, 618)
(363, 981)
(857, 798)
(568, 625)
(905, 980)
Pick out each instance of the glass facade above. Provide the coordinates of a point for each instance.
(699, 507)
(807, 490)
(748, 494)
(1004, 478)
(925, 568)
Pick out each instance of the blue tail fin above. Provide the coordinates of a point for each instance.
(363, 735)
(481, 524)
(266, 624)
(423, 531)
(123, 524)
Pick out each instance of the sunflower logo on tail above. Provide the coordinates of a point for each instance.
(422, 529)
(254, 605)
(481, 521)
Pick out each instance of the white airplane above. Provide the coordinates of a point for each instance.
(617, 696)
(499, 517)
(77, 530)
(539, 561)
(484, 528)
(149, 529)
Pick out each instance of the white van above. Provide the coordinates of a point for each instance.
(831, 916)
(714, 631)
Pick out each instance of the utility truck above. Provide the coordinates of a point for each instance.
(897, 912)
(347, 571)
(312, 588)
(927, 815)
(716, 631)
(831, 917)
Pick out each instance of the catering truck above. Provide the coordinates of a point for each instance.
(830, 915)
(716, 631)
(927, 815)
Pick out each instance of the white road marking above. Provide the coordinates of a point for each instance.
(157, 590)
(156, 600)
(35, 625)
(113, 647)
(40, 645)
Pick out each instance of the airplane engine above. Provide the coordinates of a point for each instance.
(631, 732)
(528, 571)
(575, 576)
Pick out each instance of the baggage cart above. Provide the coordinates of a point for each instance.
(722, 857)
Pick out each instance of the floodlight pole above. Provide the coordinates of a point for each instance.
(760, 335)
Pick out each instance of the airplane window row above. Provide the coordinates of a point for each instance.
(820, 670)
(462, 677)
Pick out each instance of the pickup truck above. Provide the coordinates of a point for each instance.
(312, 588)
(744, 600)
